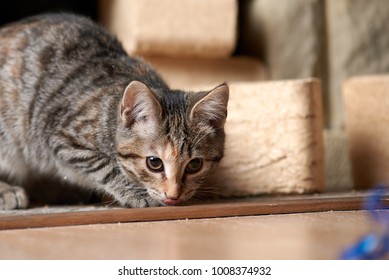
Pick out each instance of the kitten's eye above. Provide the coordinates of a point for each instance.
(194, 166)
(155, 164)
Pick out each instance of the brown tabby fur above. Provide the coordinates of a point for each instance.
(74, 107)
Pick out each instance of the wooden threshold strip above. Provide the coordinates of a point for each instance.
(215, 209)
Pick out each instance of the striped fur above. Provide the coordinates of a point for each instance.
(65, 114)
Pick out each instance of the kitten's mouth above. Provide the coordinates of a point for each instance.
(172, 202)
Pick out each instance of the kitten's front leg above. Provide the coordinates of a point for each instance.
(12, 197)
(126, 192)
(129, 194)
(100, 171)
(103, 173)
(141, 202)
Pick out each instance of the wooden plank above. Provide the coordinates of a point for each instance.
(227, 208)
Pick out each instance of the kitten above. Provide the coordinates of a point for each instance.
(74, 106)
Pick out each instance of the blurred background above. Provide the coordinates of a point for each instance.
(328, 39)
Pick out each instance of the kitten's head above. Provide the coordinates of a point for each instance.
(169, 141)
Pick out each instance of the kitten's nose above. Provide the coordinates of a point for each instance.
(172, 202)
(173, 196)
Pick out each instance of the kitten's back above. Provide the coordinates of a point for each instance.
(55, 70)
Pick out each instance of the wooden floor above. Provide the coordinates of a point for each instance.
(321, 235)
(293, 227)
(84, 215)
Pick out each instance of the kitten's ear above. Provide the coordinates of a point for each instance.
(139, 105)
(212, 108)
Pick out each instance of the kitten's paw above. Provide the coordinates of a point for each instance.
(152, 202)
(134, 202)
(13, 198)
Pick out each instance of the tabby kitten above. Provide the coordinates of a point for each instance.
(74, 106)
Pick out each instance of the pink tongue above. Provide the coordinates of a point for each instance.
(172, 202)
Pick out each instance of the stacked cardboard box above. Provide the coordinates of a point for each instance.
(275, 140)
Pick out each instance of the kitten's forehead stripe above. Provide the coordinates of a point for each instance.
(125, 155)
(178, 122)
(171, 151)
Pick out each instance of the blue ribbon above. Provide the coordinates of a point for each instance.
(374, 245)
